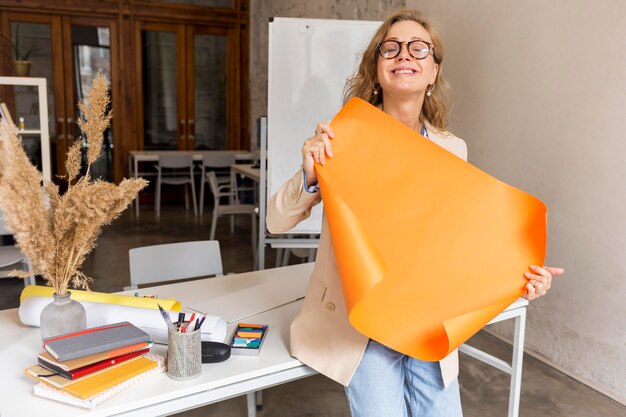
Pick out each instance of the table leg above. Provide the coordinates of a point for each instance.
(259, 400)
(516, 364)
(251, 398)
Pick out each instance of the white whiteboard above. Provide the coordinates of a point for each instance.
(309, 63)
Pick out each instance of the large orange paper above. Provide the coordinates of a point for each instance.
(429, 248)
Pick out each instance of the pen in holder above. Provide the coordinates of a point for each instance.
(184, 355)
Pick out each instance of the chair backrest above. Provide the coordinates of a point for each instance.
(218, 160)
(176, 161)
(3, 229)
(214, 186)
(175, 261)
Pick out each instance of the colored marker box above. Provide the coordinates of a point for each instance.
(247, 339)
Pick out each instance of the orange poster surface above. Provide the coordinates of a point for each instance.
(429, 248)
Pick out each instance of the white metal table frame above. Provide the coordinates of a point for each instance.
(516, 311)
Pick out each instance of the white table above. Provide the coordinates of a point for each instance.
(247, 170)
(135, 157)
(19, 346)
(239, 375)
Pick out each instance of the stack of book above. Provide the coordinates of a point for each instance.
(87, 367)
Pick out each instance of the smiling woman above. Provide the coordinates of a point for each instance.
(400, 73)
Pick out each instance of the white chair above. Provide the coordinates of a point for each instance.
(220, 164)
(11, 256)
(176, 170)
(174, 261)
(219, 209)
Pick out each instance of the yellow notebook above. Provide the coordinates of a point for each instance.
(48, 391)
(40, 373)
(101, 381)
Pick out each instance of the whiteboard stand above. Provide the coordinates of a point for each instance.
(263, 239)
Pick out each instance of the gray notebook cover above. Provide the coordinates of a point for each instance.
(94, 340)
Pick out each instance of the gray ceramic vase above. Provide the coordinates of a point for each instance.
(62, 315)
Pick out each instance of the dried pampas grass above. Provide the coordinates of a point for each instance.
(56, 232)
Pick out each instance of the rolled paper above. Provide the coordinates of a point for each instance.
(429, 248)
(147, 319)
(101, 297)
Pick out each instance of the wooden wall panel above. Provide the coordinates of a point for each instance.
(128, 15)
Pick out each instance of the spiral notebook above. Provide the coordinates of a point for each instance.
(46, 391)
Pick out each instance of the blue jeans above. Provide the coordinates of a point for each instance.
(390, 384)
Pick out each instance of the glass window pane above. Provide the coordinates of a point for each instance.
(210, 96)
(159, 89)
(91, 54)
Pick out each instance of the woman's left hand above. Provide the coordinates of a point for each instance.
(540, 280)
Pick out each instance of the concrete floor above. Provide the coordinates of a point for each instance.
(545, 391)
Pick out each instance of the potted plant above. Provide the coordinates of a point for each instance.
(57, 231)
(20, 58)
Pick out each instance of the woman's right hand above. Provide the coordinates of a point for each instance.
(316, 149)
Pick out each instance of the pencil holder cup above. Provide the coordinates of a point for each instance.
(184, 355)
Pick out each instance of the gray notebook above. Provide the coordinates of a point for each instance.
(94, 340)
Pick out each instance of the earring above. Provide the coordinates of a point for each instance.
(430, 92)
(376, 88)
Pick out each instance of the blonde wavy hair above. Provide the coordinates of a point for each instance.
(435, 109)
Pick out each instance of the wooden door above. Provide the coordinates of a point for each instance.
(187, 86)
(64, 52)
(39, 37)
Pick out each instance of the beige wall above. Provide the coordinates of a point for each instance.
(540, 89)
(262, 10)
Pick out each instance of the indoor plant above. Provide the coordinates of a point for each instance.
(57, 231)
(20, 57)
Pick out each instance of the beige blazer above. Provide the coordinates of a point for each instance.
(321, 335)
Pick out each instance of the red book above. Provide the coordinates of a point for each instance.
(91, 359)
(86, 370)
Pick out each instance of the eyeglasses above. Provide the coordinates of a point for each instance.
(418, 48)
